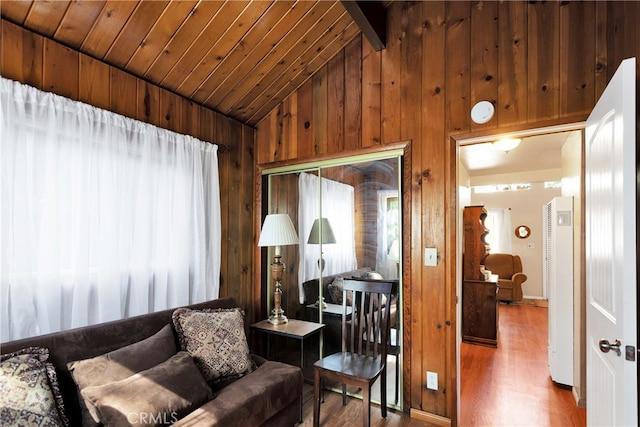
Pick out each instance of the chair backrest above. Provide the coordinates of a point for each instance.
(366, 311)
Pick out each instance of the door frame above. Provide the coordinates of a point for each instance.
(534, 129)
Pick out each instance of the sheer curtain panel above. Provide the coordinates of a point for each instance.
(321, 197)
(103, 217)
(499, 224)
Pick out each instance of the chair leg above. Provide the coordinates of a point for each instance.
(344, 394)
(383, 393)
(366, 406)
(316, 397)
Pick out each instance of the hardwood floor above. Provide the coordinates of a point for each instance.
(510, 385)
(333, 414)
(504, 386)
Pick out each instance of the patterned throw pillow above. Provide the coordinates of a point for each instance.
(216, 341)
(29, 392)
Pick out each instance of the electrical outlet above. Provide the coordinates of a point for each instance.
(432, 380)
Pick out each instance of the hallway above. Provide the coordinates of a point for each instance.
(510, 385)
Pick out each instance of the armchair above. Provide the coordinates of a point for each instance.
(510, 276)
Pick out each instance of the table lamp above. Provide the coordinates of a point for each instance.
(277, 231)
(321, 233)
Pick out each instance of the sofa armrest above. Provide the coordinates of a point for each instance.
(519, 278)
(258, 360)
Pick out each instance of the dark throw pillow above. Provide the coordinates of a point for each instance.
(335, 290)
(120, 364)
(157, 396)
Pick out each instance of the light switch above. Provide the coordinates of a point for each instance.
(430, 257)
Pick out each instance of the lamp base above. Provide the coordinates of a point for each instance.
(277, 319)
(323, 304)
(277, 314)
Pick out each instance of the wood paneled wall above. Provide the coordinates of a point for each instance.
(538, 62)
(39, 62)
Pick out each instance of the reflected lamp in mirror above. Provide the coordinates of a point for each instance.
(277, 231)
(321, 234)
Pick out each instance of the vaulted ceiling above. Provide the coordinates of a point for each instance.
(240, 58)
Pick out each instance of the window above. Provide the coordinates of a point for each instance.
(103, 217)
(500, 187)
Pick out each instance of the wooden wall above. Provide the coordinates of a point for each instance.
(539, 63)
(39, 62)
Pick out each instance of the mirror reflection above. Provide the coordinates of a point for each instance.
(348, 219)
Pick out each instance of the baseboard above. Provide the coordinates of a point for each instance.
(536, 301)
(430, 418)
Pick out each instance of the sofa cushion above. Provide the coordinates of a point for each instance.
(216, 340)
(29, 393)
(336, 291)
(156, 396)
(120, 364)
(311, 291)
(251, 400)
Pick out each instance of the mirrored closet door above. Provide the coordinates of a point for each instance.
(347, 213)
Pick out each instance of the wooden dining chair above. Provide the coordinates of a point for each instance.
(366, 308)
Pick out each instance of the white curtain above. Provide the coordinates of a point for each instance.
(335, 201)
(498, 222)
(388, 228)
(103, 217)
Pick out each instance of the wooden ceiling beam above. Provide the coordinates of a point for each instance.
(371, 17)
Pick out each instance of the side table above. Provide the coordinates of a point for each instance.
(332, 318)
(296, 329)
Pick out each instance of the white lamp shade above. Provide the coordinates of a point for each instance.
(278, 230)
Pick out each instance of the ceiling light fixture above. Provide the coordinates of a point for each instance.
(506, 144)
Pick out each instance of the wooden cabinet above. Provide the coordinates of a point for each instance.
(479, 296)
(475, 245)
(480, 311)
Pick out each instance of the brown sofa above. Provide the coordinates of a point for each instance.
(508, 267)
(270, 395)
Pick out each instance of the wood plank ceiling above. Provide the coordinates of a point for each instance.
(240, 58)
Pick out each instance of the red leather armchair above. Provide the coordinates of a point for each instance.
(509, 270)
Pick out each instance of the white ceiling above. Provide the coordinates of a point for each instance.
(535, 153)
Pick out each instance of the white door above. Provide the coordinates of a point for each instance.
(610, 199)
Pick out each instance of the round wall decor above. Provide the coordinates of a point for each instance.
(522, 232)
